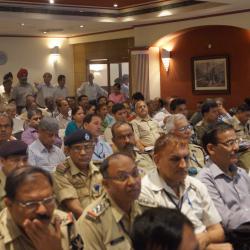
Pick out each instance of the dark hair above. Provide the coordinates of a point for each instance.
(105, 164)
(176, 102)
(17, 177)
(99, 106)
(33, 112)
(247, 101)
(88, 118)
(75, 110)
(159, 228)
(8, 76)
(118, 85)
(162, 102)
(60, 77)
(117, 107)
(206, 106)
(117, 125)
(79, 98)
(100, 97)
(211, 136)
(138, 96)
(243, 108)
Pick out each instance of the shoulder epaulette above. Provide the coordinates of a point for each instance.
(96, 211)
(147, 203)
(62, 168)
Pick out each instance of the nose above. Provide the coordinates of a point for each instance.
(131, 180)
(82, 152)
(183, 163)
(235, 147)
(41, 209)
(20, 164)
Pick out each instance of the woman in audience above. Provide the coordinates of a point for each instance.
(77, 120)
(116, 96)
(90, 109)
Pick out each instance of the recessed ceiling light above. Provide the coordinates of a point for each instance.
(22, 24)
(51, 1)
(45, 32)
(115, 5)
(81, 11)
(81, 26)
(164, 13)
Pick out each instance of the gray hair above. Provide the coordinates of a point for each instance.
(170, 124)
(49, 124)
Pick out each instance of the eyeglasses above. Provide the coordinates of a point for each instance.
(185, 128)
(123, 137)
(230, 143)
(33, 205)
(124, 176)
(86, 147)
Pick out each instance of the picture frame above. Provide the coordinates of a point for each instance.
(211, 75)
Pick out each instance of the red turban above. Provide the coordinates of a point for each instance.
(22, 73)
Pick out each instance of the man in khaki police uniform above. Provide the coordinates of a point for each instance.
(169, 186)
(78, 180)
(145, 128)
(124, 139)
(179, 125)
(13, 155)
(30, 221)
(107, 222)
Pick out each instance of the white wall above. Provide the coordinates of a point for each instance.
(34, 55)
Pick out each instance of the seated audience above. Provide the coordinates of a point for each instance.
(92, 123)
(161, 112)
(42, 152)
(30, 219)
(63, 117)
(13, 155)
(124, 140)
(83, 101)
(106, 223)
(78, 181)
(197, 115)
(169, 186)
(102, 111)
(178, 125)
(145, 128)
(224, 116)
(30, 134)
(6, 127)
(228, 185)
(77, 121)
(178, 106)
(90, 109)
(116, 96)
(102, 100)
(163, 229)
(210, 114)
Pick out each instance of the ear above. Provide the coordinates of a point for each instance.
(156, 158)
(66, 150)
(211, 149)
(8, 203)
(105, 183)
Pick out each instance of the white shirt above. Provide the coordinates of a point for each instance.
(194, 200)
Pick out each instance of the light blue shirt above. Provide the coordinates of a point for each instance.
(102, 150)
(39, 156)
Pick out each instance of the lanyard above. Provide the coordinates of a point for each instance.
(124, 229)
(181, 201)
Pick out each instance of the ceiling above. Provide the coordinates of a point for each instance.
(69, 18)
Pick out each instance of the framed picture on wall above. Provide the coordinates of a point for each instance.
(211, 75)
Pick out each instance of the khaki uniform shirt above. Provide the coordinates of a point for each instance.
(240, 130)
(197, 157)
(71, 183)
(200, 129)
(12, 238)
(2, 191)
(194, 200)
(104, 226)
(145, 162)
(146, 130)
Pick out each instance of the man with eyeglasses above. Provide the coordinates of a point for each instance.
(107, 222)
(30, 220)
(228, 185)
(179, 125)
(13, 155)
(78, 181)
(169, 186)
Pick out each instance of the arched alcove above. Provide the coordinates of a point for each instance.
(206, 41)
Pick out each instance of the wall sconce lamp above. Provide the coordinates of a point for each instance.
(55, 51)
(165, 57)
